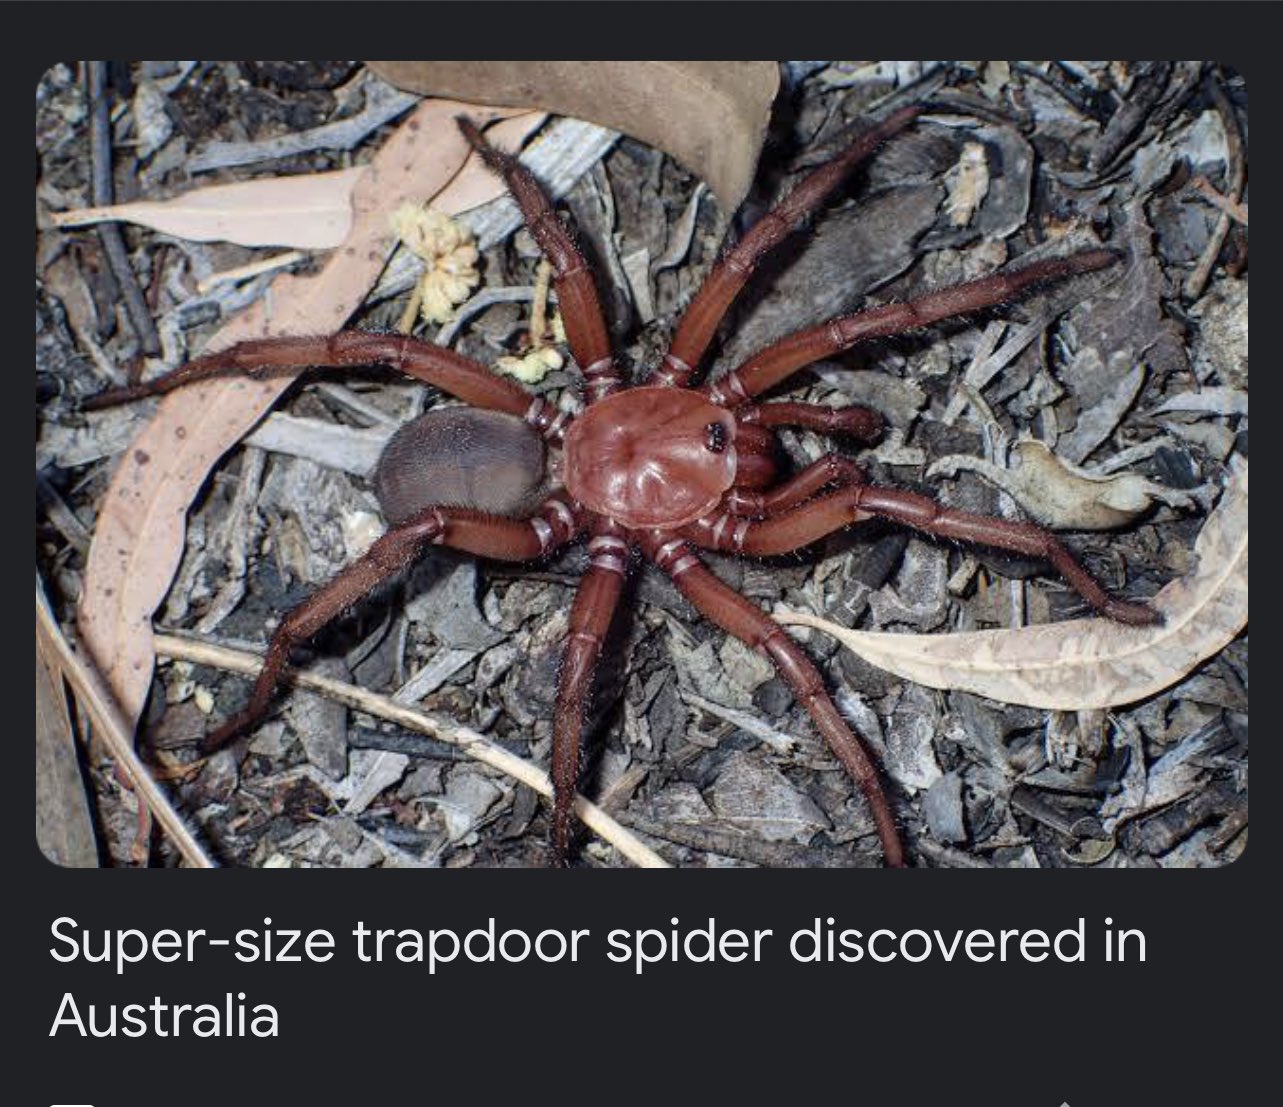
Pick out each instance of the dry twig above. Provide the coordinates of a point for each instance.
(475, 745)
(92, 695)
(1237, 178)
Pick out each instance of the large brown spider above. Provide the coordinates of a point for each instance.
(662, 469)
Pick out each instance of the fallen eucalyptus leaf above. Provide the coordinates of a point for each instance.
(1085, 663)
(1062, 496)
(308, 212)
(1220, 343)
(710, 115)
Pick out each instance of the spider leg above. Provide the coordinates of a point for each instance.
(581, 312)
(595, 603)
(752, 626)
(755, 443)
(780, 360)
(486, 535)
(791, 530)
(728, 276)
(862, 423)
(826, 472)
(461, 377)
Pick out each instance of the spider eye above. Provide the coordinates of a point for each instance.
(715, 438)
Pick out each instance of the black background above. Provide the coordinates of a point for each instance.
(1186, 1026)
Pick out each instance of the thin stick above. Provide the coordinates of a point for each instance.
(109, 235)
(253, 269)
(1237, 177)
(475, 745)
(1204, 187)
(93, 697)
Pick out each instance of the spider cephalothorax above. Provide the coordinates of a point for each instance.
(662, 469)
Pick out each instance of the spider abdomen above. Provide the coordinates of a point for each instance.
(651, 457)
(461, 457)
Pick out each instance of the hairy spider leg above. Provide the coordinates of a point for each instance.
(829, 471)
(461, 377)
(800, 526)
(725, 280)
(594, 607)
(861, 423)
(756, 497)
(780, 360)
(461, 529)
(739, 616)
(577, 297)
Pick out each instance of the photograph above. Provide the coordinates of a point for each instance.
(732, 464)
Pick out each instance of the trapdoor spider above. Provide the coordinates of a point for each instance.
(661, 469)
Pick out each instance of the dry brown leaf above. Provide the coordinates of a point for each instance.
(309, 212)
(139, 537)
(1062, 496)
(1085, 663)
(710, 115)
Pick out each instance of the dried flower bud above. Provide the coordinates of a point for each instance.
(533, 367)
(448, 253)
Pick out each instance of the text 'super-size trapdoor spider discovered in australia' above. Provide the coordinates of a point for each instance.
(660, 469)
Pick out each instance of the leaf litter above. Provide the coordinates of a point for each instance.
(969, 801)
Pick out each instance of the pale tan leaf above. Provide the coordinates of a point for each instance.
(710, 115)
(1062, 496)
(139, 537)
(308, 212)
(1085, 663)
